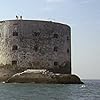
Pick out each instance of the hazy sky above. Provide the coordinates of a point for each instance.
(82, 15)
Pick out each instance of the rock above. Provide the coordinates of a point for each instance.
(43, 76)
(5, 74)
(68, 79)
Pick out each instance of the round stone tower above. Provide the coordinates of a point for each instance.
(36, 44)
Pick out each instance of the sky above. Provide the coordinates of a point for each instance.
(83, 16)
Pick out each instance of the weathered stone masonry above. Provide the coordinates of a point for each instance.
(36, 44)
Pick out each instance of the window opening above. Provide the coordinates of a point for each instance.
(67, 50)
(15, 33)
(36, 48)
(14, 62)
(55, 63)
(56, 49)
(14, 47)
(55, 35)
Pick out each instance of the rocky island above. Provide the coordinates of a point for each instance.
(13, 75)
(35, 51)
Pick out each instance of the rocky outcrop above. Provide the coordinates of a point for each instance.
(6, 71)
(43, 76)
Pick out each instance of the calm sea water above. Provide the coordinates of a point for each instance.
(29, 91)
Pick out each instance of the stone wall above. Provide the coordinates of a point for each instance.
(36, 44)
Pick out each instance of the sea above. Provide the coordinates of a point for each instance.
(90, 90)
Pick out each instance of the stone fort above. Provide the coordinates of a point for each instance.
(36, 44)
